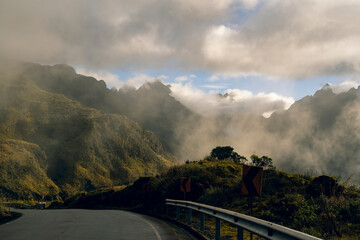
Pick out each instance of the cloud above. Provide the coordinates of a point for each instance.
(185, 78)
(109, 34)
(288, 39)
(234, 101)
(112, 80)
(162, 77)
(344, 86)
(213, 86)
(214, 78)
(181, 79)
(139, 79)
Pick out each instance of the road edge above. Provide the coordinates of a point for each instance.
(14, 216)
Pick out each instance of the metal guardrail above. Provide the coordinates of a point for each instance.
(265, 229)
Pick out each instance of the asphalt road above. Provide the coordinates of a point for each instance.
(74, 224)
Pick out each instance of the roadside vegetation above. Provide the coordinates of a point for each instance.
(6, 215)
(3, 212)
(320, 206)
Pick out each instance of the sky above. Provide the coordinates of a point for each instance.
(260, 55)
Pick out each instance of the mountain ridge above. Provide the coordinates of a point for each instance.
(83, 148)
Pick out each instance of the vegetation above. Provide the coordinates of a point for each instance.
(6, 215)
(3, 212)
(227, 152)
(298, 201)
(264, 162)
(150, 105)
(52, 146)
(61, 134)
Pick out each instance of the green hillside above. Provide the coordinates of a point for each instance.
(51, 144)
(22, 174)
(151, 105)
(316, 205)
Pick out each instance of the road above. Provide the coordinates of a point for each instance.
(75, 224)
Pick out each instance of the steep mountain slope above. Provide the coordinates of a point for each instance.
(55, 140)
(150, 105)
(154, 108)
(320, 132)
(22, 173)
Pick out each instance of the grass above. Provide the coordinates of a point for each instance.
(6, 215)
(295, 200)
(52, 146)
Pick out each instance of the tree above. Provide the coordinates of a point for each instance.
(227, 152)
(263, 161)
(222, 153)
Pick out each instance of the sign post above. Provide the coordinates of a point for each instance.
(185, 183)
(252, 182)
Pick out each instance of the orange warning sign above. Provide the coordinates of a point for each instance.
(252, 179)
(185, 183)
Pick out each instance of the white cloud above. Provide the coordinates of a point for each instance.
(139, 79)
(214, 78)
(291, 39)
(213, 86)
(344, 86)
(185, 78)
(287, 39)
(112, 80)
(162, 77)
(234, 101)
(181, 79)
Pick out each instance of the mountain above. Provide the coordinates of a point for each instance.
(50, 143)
(151, 105)
(319, 132)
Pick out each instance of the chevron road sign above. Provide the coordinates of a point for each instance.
(185, 184)
(252, 180)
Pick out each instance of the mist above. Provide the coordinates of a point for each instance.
(318, 134)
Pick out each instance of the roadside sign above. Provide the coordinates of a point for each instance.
(146, 188)
(112, 193)
(252, 180)
(185, 183)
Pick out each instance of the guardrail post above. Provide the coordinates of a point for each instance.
(177, 213)
(256, 227)
(202, 221)
(167, 210)
(240, 233)
(217, 233)
(189, 216)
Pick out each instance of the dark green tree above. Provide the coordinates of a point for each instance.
(227, 152)
(263, 161)
(222, 153)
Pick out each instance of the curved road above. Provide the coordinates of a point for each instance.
(75, 224)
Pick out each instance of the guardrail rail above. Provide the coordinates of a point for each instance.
(262, 228)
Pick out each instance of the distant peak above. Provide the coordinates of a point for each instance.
(155, 85)
(65, 68)
(326, 87)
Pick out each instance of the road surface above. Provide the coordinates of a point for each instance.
(75, 224)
